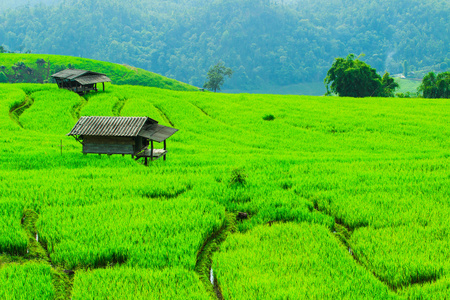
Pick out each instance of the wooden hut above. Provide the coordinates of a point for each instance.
(80, 81)
(122, 135)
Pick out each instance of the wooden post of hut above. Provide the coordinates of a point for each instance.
(151, 151)
(165, 146)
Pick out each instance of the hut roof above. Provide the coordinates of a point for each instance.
(81, 76)
(157, 132)
(122, 126)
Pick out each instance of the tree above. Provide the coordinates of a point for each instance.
(216, 76)
(405, 68)
(3, 78)
(433, 86)
(388, 85)
(40, 70)
(40, 62)
(350, 77)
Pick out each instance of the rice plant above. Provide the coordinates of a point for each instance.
(136, 232)
(13, 239)
(433, 290)
(28, 281)
(120, 283)
(404, 255)
(378, 167)
(292, 261)
(51, 112)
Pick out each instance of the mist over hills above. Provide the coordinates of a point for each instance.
(265, 42)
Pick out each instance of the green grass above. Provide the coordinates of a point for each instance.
(289, 261)
(120, 283)
(135, 232)
(100, 105)
(406, 254)
(52, 111)
(11, 98)
(13, 239)
(28, 281)
(375, 170)
(435, 290)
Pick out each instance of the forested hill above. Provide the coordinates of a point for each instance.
(264, 41)
(7, 4)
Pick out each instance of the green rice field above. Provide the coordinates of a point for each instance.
(345, 198)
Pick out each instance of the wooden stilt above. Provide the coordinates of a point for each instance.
(103, 86)
(146, 162)
(165, 148)
(151, 150)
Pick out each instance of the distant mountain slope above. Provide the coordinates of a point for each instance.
(119, 74)
(7, 4)
(266, 42)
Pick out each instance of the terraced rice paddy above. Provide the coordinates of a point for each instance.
(346, 198)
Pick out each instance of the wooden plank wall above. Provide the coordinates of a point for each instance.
(108, 145)
(108, 149)
(117, 140)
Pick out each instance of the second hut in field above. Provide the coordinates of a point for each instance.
(80, 81)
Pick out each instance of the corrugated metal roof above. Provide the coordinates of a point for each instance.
(70, 73)
(80, 75)
(110, 126)
(90, 79)
(122, 126)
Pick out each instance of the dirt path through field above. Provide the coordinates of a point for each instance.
(206, 252)
(62, 279)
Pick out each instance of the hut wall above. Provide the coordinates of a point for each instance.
(139, 143)
(108, 145)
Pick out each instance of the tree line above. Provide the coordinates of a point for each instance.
(262, 41)
(347, 77)
(351, 77)
(436, 86)
(38, 72)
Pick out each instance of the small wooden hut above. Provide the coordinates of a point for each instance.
(122, 135)
(80, 81)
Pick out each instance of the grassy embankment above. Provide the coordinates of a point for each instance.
(119, 74)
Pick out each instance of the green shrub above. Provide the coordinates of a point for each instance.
(238, 177)
(268, 117)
